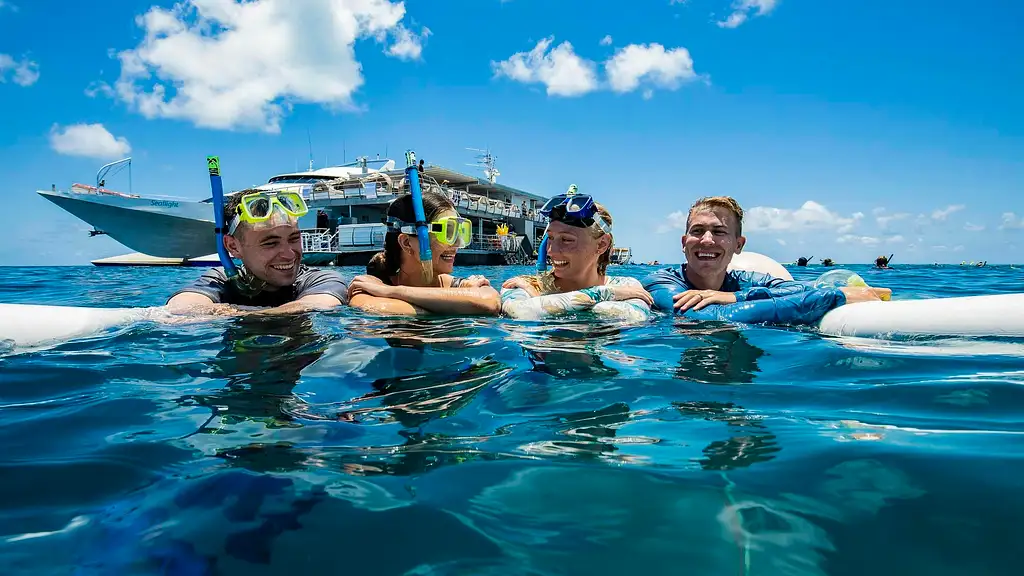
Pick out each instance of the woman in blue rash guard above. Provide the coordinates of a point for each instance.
(578, 244)
(704, 288)
(394, 283)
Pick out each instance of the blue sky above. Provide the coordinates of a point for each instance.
(845, 129)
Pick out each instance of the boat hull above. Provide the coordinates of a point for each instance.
(160, 228)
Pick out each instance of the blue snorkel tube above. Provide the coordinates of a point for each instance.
(213, 163)
(542, 254)
(412, 173)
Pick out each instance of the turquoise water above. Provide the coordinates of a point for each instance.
(343, 444)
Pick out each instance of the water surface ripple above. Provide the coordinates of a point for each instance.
(338, 442)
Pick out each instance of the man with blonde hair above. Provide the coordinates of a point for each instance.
(713, 235)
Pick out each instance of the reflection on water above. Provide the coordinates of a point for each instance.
(331, 443)
(749, 440)
(718, 355)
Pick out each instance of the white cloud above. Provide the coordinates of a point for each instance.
(408, 46)
(97, 88)
(228, 64)
(649, 63)
(810, 216)
(88, 140)
(780, 241)
(942, 214)
(561, 70)
(23, 72)
(1011, 221)
(743, 8)
(852, 239)
(974, 227)
(897, 239)
(884, 220)
(606, 41)
(564, 73)
(674, 221)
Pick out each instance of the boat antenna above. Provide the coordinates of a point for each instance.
(487, 161)
(309, 139)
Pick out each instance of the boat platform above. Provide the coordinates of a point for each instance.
(140, 259)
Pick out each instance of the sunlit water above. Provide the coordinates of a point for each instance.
(339, 443)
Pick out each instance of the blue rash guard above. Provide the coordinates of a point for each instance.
(760, 298)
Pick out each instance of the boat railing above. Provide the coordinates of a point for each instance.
(381, 186)
(345, 238)
(87, 189)
(503, 243)
(491, 206)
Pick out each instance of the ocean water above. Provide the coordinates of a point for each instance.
(340, 443)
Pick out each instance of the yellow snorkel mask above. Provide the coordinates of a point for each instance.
(450, 231)
(260, 207)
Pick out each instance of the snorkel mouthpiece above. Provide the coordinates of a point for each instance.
(412, 173)
(213, 164)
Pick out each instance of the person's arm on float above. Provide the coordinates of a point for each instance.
(520, 304)
(662, 286)
(755, 285)
(806, 307)
(360, 298)
(665, 285)
(469, 300)
(204, 297)
(633, 309)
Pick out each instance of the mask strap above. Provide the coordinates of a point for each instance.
(234, 224)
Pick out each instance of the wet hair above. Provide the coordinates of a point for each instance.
(388, 262)
(711, 202)
(606, 258)
(545, 282)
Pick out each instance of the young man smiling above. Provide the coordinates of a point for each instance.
(270, 248)
(714, 234)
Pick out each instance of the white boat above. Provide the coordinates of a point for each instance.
(344, 225)
(621, 256)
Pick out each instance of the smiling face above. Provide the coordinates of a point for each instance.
(574, 252)
(443, 254)
(711, 240)
(271, 252)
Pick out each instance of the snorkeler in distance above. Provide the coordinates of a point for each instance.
(578, 244)
(262, 231)
(395, 282)
(714, 233)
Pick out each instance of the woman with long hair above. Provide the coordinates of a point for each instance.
(395, 282)
(578, 246)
